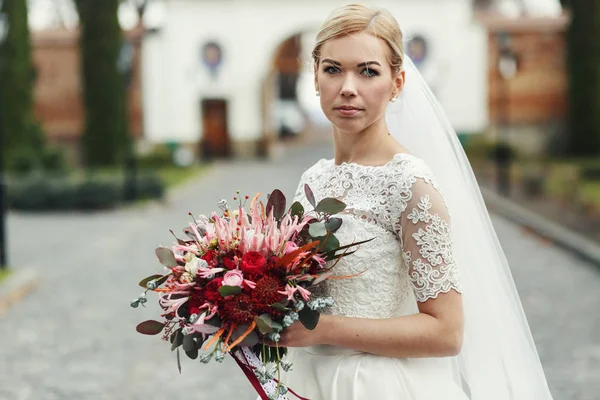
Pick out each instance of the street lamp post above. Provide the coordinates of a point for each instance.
(508, 67)
(3, 205)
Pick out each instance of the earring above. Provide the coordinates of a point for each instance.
(317, 93)
(394, 99)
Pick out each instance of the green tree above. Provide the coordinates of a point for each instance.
(20, 131)
(105, 138)
(584, 77)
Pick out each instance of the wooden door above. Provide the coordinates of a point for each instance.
(215, 141)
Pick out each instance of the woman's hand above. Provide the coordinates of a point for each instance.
(296, 335)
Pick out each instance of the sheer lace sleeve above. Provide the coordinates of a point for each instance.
(426, 237)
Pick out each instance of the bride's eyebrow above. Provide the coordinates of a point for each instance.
(362, 64)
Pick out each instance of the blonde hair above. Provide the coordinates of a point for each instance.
(354, 18)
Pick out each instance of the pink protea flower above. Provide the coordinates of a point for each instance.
(290, 290)
(290, 247)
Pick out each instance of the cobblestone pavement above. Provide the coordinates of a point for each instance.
(74, 337)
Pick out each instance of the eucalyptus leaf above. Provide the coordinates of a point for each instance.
(190, 343)
(333, 224)
(250, 340)
(328, 243)
(277, 327)
(317, 229)
(264, 323)
(176, 339)
(297, 210)
(229, 290)
(150, 327)
(178, 361)
(166, 257)
(309, 195)
(309, 318)
(277, 202)
(280, 307)
(193, 354)
(159, 280)
(330, 206)
(144, 281)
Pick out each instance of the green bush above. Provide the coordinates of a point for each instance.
(160, 157)
(150, 186)
(43, 193)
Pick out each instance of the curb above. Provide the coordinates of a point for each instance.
(557, 233)
(19, 284)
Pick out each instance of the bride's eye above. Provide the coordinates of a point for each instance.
(331, 70)
(369, 72)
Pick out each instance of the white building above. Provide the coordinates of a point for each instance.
(236, 106)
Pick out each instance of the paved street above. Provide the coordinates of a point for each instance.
(74, 337)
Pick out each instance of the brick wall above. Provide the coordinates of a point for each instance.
(58, 103)
(538, 92)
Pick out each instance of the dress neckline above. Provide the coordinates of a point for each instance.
(344, 164)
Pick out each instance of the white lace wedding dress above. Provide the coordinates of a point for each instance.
(410, 261)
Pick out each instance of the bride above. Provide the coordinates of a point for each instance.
(433, 312)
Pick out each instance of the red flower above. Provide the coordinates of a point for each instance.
(238, 309)
(231, 260)
(272, 261)
(211, 290)
(194, 304)
(210, 257)
(253, 263)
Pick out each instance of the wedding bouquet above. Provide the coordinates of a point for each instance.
(240, 278)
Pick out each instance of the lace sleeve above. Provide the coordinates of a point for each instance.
(426, 237)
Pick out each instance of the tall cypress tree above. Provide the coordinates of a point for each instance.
(105, 137)
(584, 77)
(20, 131)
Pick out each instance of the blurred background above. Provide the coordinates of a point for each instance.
(118, 117)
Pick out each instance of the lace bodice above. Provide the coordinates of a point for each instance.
(411, 258)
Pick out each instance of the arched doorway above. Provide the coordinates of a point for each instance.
(291, 110)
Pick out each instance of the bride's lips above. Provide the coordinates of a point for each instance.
(348, 111)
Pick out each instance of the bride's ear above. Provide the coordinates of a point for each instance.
(399, 81)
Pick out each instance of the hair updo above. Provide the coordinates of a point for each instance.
(355, 18)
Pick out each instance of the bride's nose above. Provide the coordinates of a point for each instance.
(349, 86)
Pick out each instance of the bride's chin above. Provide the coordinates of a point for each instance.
(348, 127)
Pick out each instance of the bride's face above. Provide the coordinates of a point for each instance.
(355, 81)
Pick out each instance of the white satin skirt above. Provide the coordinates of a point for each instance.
(334, 373)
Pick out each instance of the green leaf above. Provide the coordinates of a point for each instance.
(330, 206)
(277, 202)
(264, 323)
(317, 229)
(176, 339)
(280, 307)
(328, 243)
(150, 327)
(250, 340)
(144, 281)
(160, 279)
(297, 210)
(166, 257)
(331, 252)
(333, 224)
(309, 318)
(178, 361)
(309, 195)
(193, 354)
(229, 290)
(190, 342)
